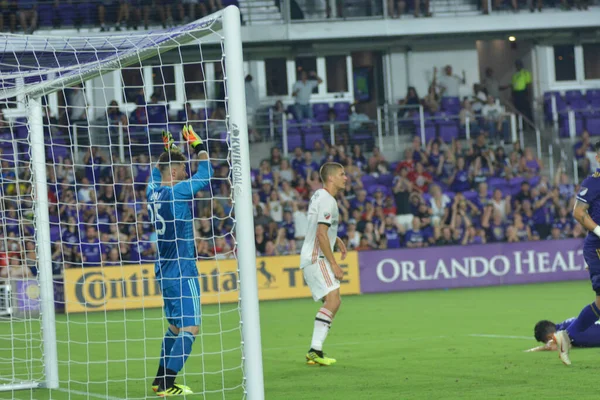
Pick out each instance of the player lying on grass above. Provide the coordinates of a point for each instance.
(544, 332)
(169, 193)
(321, 272)
(586, 212)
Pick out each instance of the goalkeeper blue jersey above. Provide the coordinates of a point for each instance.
(174, 226)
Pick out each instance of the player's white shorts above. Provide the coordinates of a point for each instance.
(320, 279)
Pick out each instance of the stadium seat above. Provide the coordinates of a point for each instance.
(320, 109)
(447, 129)
(294, 139)
(45, 14)
(368, 180)
(573, 95)
(592, 122)
(592, 94)
(451, 105)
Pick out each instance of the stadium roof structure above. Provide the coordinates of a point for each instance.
(32, 65)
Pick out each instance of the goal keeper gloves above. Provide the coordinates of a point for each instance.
(168, 141)
(193, 138)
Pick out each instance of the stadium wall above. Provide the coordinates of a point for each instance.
(134, 286)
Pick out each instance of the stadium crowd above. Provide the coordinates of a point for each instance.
(445, 192)
(456, 193)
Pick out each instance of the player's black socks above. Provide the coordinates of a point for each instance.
(319, 352)
(160, 375)
(168, 379)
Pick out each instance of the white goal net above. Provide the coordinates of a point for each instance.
(81, 128)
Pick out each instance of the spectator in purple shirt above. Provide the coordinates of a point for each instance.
(460, 181)
(415, 237)
(298, 159)
(90, 248)
(543, 210)
(308, 165)
(492, 223)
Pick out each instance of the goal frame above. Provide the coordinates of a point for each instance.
(227, 23)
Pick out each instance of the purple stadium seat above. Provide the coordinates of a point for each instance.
(451, 105)
(368, 180)
(448, 130)
(564, 126)
(573, 95)
(371, 189)
(430, 132)
(386, 180)
(494, 182)
(294, 141)
(470, 195)
(578, 104)
(45, 14)
(341, 107)
(311, 138)
(88, 11)
(20, 132)
(320, 108)
(592, 94)
(592, 123)
(67, 14)
(56, 153)
(54, 232)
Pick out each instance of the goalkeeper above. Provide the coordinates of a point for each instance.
(168, 194)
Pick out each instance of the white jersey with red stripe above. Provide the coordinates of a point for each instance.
(322, 209)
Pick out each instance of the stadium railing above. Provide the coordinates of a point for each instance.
(401, 121)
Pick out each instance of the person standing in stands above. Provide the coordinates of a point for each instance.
(521, 90)
(302, 91)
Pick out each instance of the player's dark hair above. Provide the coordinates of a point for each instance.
(169, 157)
(597, 146)
(542, 329)
(328, 169)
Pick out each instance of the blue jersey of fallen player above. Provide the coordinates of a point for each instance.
(588, 338)
(589, 193)
(172, 217)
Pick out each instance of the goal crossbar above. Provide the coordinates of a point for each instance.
(67, 61)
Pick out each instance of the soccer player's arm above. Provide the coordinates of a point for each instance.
(585, 196)
(550, 346)
(187, 189)
(325, 215)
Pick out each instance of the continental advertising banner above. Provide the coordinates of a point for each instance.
(467, 266)
(134, 286)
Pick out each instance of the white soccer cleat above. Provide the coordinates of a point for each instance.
(563, 344)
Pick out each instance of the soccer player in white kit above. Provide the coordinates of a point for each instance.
(321, 271)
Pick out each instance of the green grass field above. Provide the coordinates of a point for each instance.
(419, 345)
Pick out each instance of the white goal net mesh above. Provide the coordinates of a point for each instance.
(106, 101)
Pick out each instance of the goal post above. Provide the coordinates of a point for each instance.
(82, 351)
(38, 160)
(240, 161)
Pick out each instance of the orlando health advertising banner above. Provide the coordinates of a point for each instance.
(134, 286)
(469, 266)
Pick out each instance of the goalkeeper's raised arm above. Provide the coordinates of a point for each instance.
(183, 188)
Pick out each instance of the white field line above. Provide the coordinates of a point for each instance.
(87, 394)
(500, 336)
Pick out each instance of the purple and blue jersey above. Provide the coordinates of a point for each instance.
(588, 338)
(172, 217)
(589, 193)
